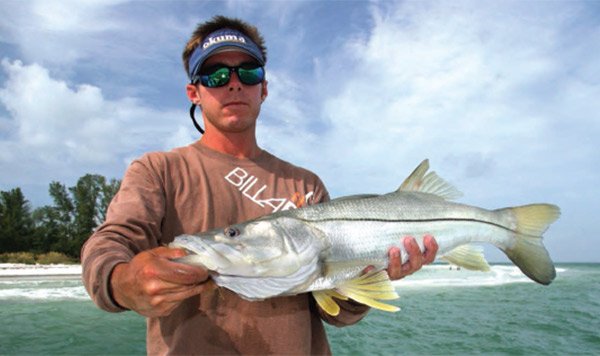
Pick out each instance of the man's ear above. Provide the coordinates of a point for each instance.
(264, 91)
(193, 93)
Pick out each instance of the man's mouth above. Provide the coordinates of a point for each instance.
(235, 103)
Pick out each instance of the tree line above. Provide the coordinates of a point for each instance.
(60, 227)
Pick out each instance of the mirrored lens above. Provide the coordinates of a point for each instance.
(218, 76)
(251, 76)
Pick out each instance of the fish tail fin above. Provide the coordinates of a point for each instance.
(528, 252)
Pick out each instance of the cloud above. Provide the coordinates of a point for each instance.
(64, 31)
(66, 130)
(469, 89)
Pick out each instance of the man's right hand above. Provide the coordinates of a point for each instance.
(153, 285)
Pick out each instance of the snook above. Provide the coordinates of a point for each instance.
(324, 248)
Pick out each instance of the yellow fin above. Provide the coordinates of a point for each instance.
(534, 219)
(324, 299)
(469, 257)
(369, 289)
(528, 252)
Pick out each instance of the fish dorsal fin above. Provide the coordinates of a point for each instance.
(469, 257)
(369, 289)
(428, 182)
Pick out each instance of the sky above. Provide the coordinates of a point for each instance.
(503, 97)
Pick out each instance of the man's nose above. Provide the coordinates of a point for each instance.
(234, 82)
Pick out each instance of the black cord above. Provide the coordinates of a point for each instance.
(192, 110)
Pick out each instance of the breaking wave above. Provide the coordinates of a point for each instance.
(45, 290)
(436, 276)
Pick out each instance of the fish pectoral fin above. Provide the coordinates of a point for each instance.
(262, 287)
(324, 299)
(370, 289)
(469, 257)
(429, 182)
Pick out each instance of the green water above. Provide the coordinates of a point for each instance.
(443, 312)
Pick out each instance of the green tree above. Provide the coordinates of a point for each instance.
(86, 200)
(49, 230)
(109, 189)
(76, 212)
(16, 223)
(54, 224)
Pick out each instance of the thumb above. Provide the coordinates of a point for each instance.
(168, 253)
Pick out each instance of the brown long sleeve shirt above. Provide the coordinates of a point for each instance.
(193, 189)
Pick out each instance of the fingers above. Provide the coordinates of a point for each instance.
(431, 248)
(368, 269)
(394, 269)
(416, 259)
(163, 304)
(153, 285)
(177, 273)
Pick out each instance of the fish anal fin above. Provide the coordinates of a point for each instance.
(428, 182)
(469, 257)
(370, 289)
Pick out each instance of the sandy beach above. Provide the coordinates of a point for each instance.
(16, 270)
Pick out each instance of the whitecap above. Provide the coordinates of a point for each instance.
(436, 276)
(62, 293)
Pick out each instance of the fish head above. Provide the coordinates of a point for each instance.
(263, 247)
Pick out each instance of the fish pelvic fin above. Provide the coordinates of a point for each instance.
(428, 182)
(370, 289)
(324, 299)
(528, 253)
(469, 257)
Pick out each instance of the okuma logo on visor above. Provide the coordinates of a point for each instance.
(223, 38)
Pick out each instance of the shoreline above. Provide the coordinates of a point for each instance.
(21, 270)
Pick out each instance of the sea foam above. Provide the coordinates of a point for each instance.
(436, 276)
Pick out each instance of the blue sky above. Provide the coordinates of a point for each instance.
(502, 97)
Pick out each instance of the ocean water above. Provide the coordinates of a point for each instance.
(444, 312)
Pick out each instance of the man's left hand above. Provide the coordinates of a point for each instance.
(396, 269)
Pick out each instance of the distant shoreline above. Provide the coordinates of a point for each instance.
(27, 271)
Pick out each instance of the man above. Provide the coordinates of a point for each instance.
(222, 179)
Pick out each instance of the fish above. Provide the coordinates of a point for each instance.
(326, 248)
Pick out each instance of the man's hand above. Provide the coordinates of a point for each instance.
(416, 259)
(153, 285)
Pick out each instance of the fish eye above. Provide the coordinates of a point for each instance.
(231, 232)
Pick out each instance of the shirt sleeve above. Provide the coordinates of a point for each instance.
(132, 225)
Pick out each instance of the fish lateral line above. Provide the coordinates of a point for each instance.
(430, 220)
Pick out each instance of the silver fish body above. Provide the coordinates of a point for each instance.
(326, 247)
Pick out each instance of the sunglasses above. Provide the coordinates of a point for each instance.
(220, 74)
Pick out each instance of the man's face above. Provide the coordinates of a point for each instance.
(235, 106)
